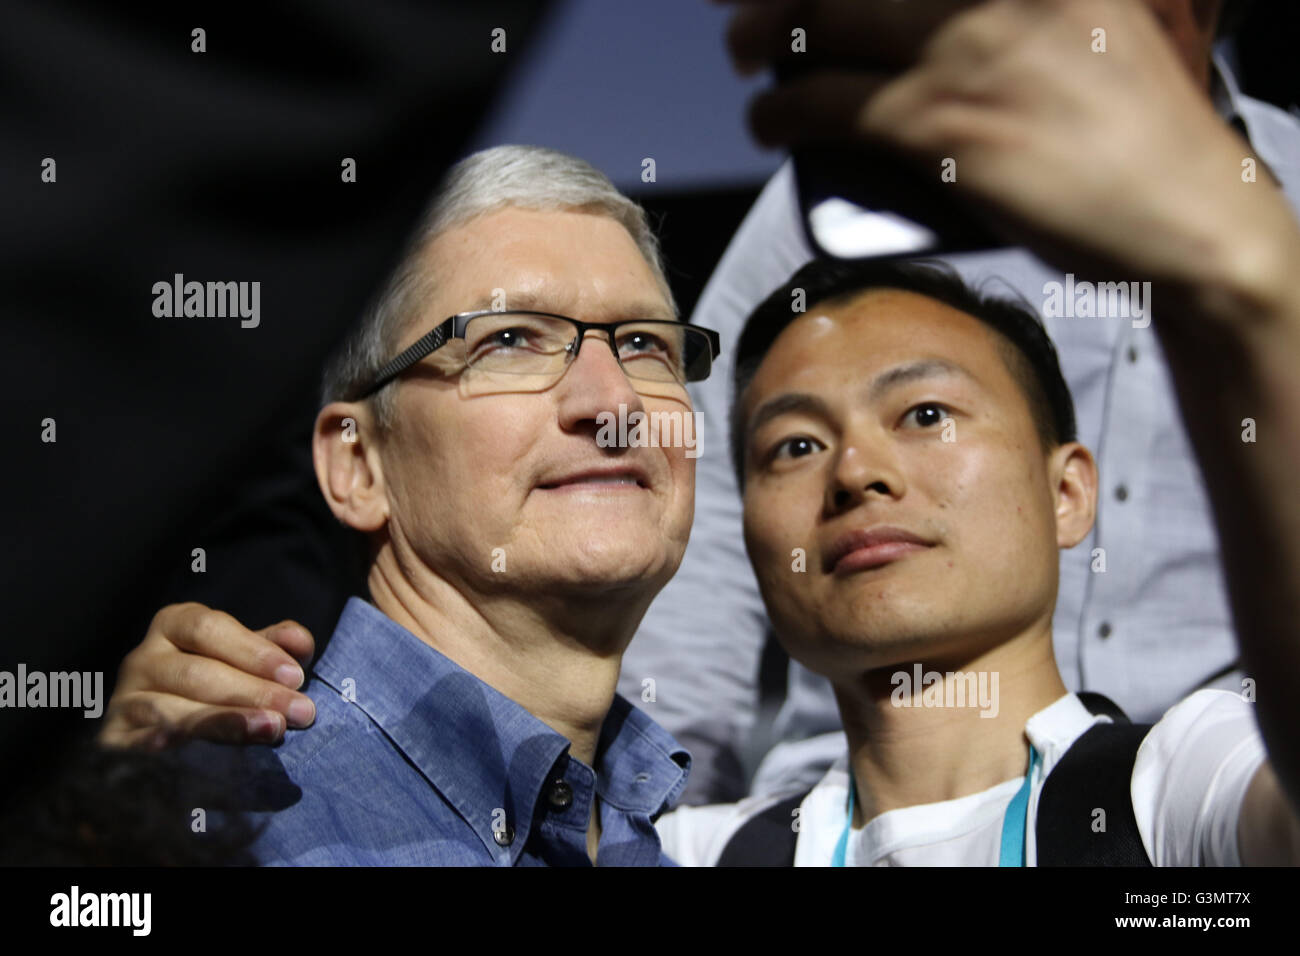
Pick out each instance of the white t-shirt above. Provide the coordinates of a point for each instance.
(1190, 776)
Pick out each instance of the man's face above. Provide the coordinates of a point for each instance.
(895, 416)
(471, 471)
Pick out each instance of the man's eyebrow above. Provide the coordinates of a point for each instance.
(790, 402)
(525, 299)
(531, 301)
(805, 403)
(912, 371)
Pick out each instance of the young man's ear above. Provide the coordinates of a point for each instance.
(1073, 472)
(348, 469)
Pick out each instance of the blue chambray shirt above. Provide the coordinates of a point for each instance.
(414, 761)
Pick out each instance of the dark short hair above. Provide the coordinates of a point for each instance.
(1028, 352)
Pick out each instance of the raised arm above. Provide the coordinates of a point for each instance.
(1077, 128)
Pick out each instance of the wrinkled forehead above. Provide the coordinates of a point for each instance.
(574, 263)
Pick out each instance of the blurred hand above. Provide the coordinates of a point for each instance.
(199, 673)
(1110, 161)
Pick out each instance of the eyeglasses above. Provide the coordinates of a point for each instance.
(533, 349)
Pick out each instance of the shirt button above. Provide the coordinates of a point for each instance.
(561, 795)
(1104, 630)
(1132, 355)
(504, 836)
(1121, 492)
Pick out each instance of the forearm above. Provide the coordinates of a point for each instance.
(1232, 337)
(1268, 832)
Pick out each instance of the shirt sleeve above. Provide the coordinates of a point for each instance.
(690, 835)
(1190, 777)
(696, 836)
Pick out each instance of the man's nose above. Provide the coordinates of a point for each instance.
(866, 467)
(593, 383)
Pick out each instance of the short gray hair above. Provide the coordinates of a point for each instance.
(527, 177)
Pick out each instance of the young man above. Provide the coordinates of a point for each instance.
(909, 464)
(1093, 116)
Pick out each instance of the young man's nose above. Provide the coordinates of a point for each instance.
(866, 466)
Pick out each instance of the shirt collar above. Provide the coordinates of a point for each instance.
(482, 751)
(629, 738)
(1243, 114)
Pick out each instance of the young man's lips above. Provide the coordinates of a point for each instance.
(860, 550)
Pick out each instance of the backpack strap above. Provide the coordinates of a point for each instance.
(1096, 773)
(767, 839)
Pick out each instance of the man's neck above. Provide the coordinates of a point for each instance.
(912, 745)
(565, 677)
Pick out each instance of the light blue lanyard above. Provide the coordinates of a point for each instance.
(1013, 822)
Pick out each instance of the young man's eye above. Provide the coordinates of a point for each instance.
(926, 414)
(796, 448)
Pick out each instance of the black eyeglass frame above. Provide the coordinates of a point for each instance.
(453, 327)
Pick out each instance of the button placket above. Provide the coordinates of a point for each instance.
(559, 795)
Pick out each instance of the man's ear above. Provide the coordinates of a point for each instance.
(1073, 472)
(346, 455)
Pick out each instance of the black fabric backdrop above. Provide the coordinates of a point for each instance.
(224, 166)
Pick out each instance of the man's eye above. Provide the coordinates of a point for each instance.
(644, 345)
(507, 339)
(927, 414)
(796, 448)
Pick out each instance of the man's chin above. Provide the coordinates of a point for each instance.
(633, 572)
(866, 637)
(594, 570)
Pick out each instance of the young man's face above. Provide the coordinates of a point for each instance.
(897, 416)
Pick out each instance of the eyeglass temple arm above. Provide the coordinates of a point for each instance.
(715, 342)
(422, 346)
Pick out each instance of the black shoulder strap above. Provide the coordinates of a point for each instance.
(767, 839)
(1095, 774)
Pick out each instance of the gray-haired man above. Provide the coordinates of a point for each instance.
(468, 716)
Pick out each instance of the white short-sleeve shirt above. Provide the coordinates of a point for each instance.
(1189, 779)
